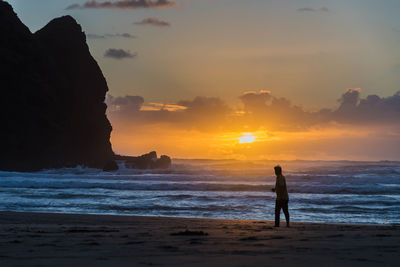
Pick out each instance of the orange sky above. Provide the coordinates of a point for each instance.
(272, 128)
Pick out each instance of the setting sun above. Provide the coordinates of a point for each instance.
(247, 138)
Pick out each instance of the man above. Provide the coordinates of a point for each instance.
(282, 197)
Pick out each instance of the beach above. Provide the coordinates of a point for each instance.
(45, 239)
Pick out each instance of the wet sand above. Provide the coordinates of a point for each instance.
(39, 239)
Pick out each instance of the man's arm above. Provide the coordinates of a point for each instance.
(274, 188)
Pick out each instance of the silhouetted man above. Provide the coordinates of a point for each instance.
(282, 196)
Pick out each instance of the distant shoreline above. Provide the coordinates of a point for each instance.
(291, 160)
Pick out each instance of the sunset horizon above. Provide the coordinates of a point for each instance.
(200, 133)
(217, 136)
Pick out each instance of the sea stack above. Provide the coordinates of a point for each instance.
(146, 161)
(52, 106)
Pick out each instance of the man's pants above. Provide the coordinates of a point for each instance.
(281, 204)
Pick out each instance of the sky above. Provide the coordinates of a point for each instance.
(304, 79)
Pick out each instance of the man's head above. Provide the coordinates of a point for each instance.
(278, 170)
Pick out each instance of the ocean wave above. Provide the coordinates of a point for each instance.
(201, 186)
(319, 191)
(349, 210)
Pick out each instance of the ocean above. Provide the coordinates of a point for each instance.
(319, 191)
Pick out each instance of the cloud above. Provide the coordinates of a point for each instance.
(311, 9)
(260, 110)
(306, 9)
(253, 100)
(201, 103)
(127, 104)
(95, 36)
(107, 35)
(350, 98)
(119, 54)
(370, 110)
(132, 104)
(359, 128)
(124, 4)
(73, 6)
(154, 106)
(276, 113)
(325, 9)
(203, 113)
(263, 108)
(125, 35)
(153, 22)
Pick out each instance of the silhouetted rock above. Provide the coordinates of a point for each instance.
(52, 105)
(146, 161)
(164, 162)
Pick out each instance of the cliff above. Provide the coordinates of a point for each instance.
(52, 98)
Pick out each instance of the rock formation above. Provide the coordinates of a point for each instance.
(146, 161)
(52, 98)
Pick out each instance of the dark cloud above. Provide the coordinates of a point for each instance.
(306, 9)
(73, 6)
(119, 54)
(203, 113)
(153, 22)
(350, 99)
(95, 36)
(264, 109)
(279, 113)
(253, 100)
(311, 9)
(108, 35)
(205, 109)
(125, 4)
(126, 35)
(372, 109)
(127, 104)
(207, 104)
(324, 9)
(261, 110)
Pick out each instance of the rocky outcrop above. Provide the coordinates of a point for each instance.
(52, 98)
(146, 161)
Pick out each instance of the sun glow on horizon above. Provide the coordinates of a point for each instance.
(247, 138)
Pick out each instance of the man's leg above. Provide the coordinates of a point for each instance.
(277, 212)
(285, 208)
